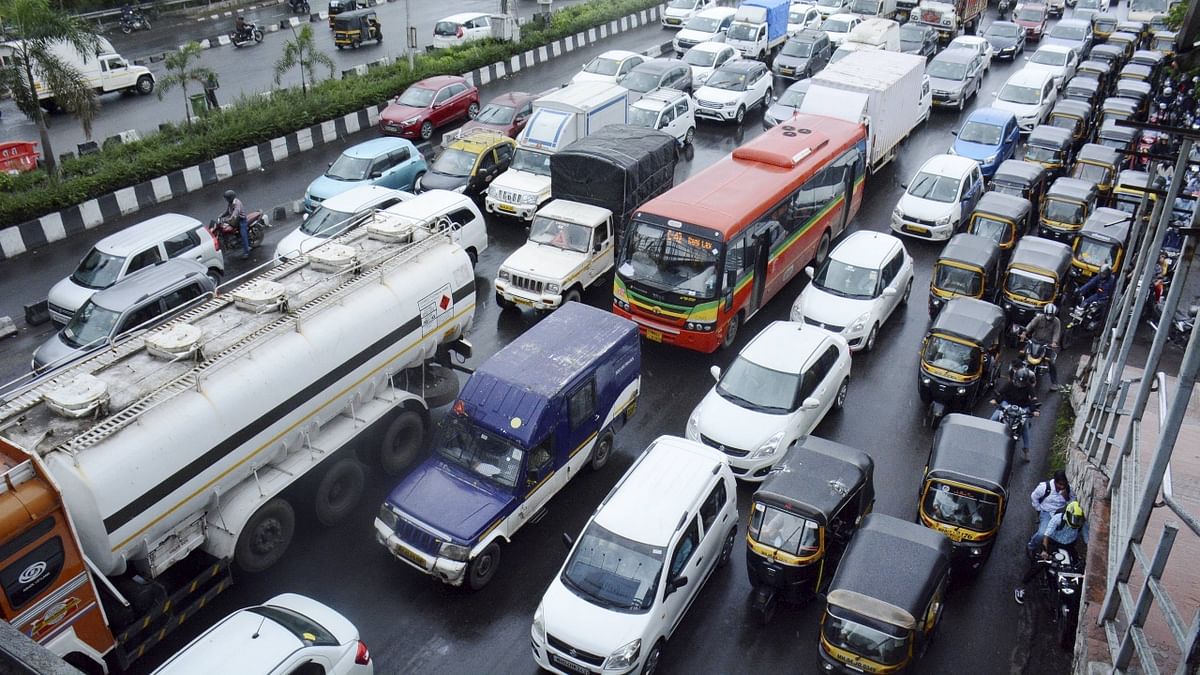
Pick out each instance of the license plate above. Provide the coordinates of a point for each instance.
(568, 665)
(786, 71)
(521, 301)
(673, 22)
(506, 208)
(654, 336)
(916, 229)
(409, 555)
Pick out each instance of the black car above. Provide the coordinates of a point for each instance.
(803, 55)
(919, 39)
(1007, 39)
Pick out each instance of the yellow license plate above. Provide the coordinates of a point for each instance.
(917, 229)
(506, 208)
(522, 301)
(409, 555)
(654, 336)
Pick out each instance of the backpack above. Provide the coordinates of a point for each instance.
(1049, 491)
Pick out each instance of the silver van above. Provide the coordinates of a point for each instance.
(137, 301)
(118, 255)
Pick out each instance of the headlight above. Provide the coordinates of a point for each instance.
(990, 159)
(926, 381)
(539, 624)
(897, 213)
(411, 120)
(767, 449)
(944, 220)
(962, 391)
(388, 516)
(451, 551)
(553, 288)
(503, 274)
(461, 188)
(860, 323)
(693, 427)
(528, 199)
(625, 657)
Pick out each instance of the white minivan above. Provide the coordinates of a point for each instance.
(639, 563)
(333, 216)
(439, 210)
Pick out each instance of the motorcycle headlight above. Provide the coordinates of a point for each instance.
(693, 427)
(860, 323)
(539, 624)
(767, 449)
(625, 657)
(553, 288)
(503, 274)
(451, 551)
(388, 516)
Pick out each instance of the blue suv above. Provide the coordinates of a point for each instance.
(389, 162)
(988, 136)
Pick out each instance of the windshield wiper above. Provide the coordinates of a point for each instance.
(833, 290)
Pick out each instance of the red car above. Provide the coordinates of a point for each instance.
(426, 105)
(507, 114)
(1032, 18)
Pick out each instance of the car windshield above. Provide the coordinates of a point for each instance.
(991, 228)
(699, 58)
(91, 324)
(494, 113)
(861, 636)
(946, 70)
(950, 355)
(703, 24)
(416, 97)
(1048, 57)
(830, 4)
(1037, 153)
(1063, 211)
(1095, 252)
(796, 17)
(956, 279)
(682, 4)
(934, 187)
(846, 280)
(454, 162)
(479, 451)
(560, 234)
(1005, 30)
(866, 7)
(786, 532)
(669, 260)
(1147, 6)
(792, 97)
(530, 161)
(602, 66)
(1091, 4)
(97, 270)
(1030, 14)
(836, 25)
(758, 388)
(1029, 285)
(640, 81)
(961, 507)
(642, 117)
(797, 48)
(349, 168)
(612, 571)
(727, 79)
(1067, 32)
(325, 222)
(980, 132)
(1015, 93)
(743, 31)
(1092, 173)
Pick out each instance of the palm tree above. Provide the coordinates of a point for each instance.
(41, 39)
(302, 52)
(180, 72)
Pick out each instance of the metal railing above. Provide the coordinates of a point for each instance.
(1137, 486)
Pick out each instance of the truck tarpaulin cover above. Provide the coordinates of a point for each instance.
(619, 168)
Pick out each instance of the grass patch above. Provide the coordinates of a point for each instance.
(1064, 427)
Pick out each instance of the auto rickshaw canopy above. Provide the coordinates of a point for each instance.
(1071, 108)
(996, 208)
(1114, 55)
(890, 571)
(1097, 164)
(355, 20)
(1163, 42)
(1152, 57)
(1130, 26)
(1082, 87)
(1044, 256)
(1099, 70)
(971, 250)
(1136, 71)
(817, 478)
(1072, 189)
(1104, 25)
(1049, 144)
(972, 450)
(975, 321)
(1115, 136)
(1022, 179)
(1134, 90)
(1125, 40)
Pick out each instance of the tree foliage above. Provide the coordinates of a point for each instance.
(180, 72)
(302, 52)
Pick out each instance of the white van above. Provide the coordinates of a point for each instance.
(437, 209)
(460, 29)
(334, 215)
(639, 563)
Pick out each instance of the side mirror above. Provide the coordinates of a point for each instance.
(676, 584)
(810, 403)
(889, 292)
(954, 133)
(329, 165)
(376, 174)
(597, 247)
(567, 540)
(715, 371)
(810, 271)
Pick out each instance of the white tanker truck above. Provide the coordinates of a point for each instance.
(132, 480)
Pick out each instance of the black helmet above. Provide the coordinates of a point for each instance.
(1023, 377)
(230, 195)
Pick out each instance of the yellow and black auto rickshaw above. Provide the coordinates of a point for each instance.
(802, 518)
(1116, 108)
(965, 489)
(1165, 42)
(1085, 89)
(1068, 203)
(1136, 71)
(1037, 274)
(1074, 116)
(1113, 55)
(1097, 164)
(1020, 179)
(1051, 147)
(1129, 42)
(960, 356)
(1101, 71)
(1128, 190)
(1138, 28)
(886, 600)
(1117, 137)
(351, 29)
(1102, 241)
(1103, 25)
(1135, 90)
(1150, 58)
(1003, 218)
(969, 267)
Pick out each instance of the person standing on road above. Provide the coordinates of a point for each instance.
(211, 85)
(1060, 532)
(1047, 329)
(1050, 496)
(236, 213)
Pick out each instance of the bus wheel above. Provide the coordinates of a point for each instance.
(731, 330)
(822, 250)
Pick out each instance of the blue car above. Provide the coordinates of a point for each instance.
(389, 162)
(988, 136)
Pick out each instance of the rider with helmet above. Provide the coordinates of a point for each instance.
(1060, 532)
(235, 212)
(1099, 289)
(1046, 329)
(1017, 390)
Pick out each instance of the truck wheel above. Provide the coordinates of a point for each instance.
(572, 295)
(145, 85)
(402, 443)
(601, 452)
(482, 567)
(266, 537)
(339, 491)
(474, 256)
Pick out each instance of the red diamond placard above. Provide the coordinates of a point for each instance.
(444, 303)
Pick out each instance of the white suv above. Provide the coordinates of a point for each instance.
(860, 285)
(732, 89)
(775, 392)
(639, 563)
(1029, 94)
(570, 247)
(938, 198)
(668, 110)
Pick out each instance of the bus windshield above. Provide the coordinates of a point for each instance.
(669, 260)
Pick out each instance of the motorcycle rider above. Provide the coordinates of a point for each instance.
(1098, 289)
(235, 210)
(1060, 532)
(1018, 391)
(1046, 329)
(241, 29)
(1002, 9)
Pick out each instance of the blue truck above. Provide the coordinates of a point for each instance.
(758, 28)
(528, 420)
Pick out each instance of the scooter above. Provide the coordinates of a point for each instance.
(1179, 330)
(252, 34)
(134, 21)
(229, 236)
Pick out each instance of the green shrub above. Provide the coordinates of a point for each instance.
(253, 120)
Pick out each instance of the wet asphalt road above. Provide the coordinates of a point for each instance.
(413, 624)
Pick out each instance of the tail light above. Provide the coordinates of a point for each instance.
(458, 32)
(212, 232)
(363, 657)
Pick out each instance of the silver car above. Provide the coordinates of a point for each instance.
(955, 75)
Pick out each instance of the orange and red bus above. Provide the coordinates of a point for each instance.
(699, 260)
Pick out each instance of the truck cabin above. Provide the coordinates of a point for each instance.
(570, 226)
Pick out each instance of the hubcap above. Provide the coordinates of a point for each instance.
(268, 536)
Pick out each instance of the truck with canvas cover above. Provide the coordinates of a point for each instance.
(759, 27)
(137, 476)
(529, 420)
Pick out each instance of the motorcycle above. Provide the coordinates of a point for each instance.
(134, 21)
(1036, 356)
(252, 34)
(1083, 319)
(1059, 585)
(229, 235)
(1015, 417)
(299, 6)
(1179, 330)
(1002, 9)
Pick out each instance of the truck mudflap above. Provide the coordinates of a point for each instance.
(139, 637)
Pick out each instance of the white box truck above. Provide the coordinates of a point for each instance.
(558, 119)
(887, 92)
(105, 71)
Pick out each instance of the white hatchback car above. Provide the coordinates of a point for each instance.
(460, 29)
(709, 25)
(678, 12)
(860, 285)
(939, 197)
(1029, 94)
(838, 27)
(802, 15)
(706, 57)
(288, 634)
(776, 391)
(1057, 60)
(733, 89)
(609, 67)
(980, 45)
